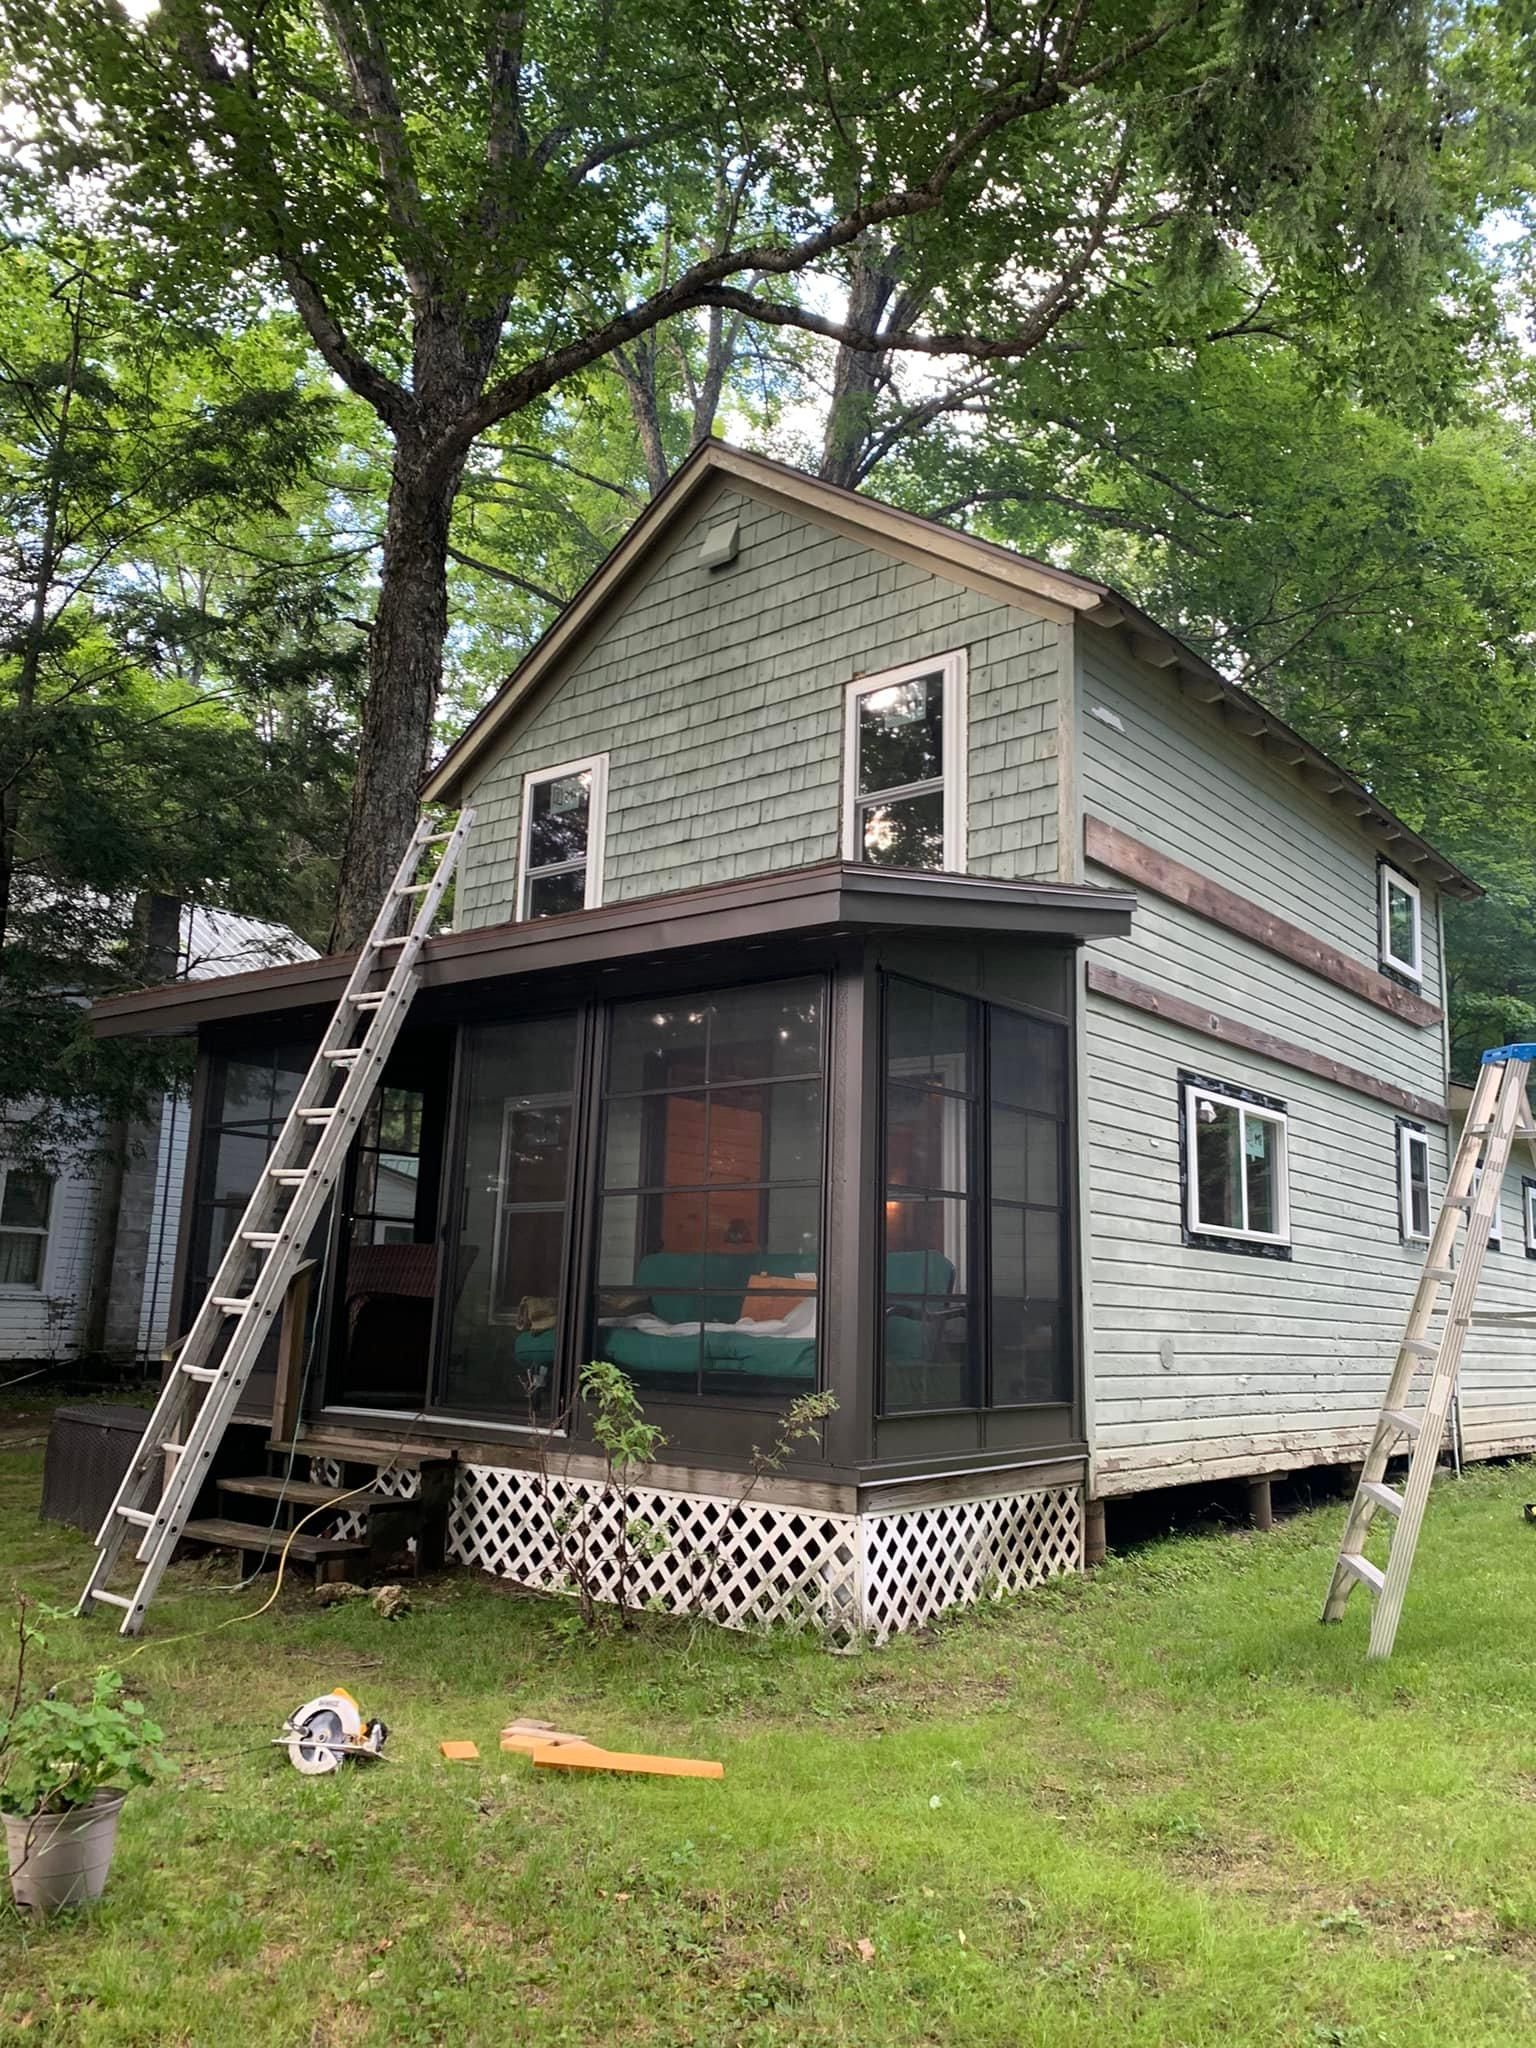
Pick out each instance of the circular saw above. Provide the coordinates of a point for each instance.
(322, 1734)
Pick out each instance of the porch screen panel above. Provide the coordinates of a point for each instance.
(249, 1097)
(975, 1301)
(505, 1294)
(709, 1225)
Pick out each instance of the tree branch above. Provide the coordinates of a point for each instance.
(506, 576)
(360, 43)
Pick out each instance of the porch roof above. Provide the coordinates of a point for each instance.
(832, 898)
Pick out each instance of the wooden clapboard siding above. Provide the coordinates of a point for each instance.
(1273, 1363)
(1208, 1364)
(1191, 787)
(1126, 856)
(48, 1321)
(1236, 1034)
(718, 698)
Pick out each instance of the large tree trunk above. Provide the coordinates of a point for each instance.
(405, 668)
(859, 375)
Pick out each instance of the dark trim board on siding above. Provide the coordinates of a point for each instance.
(1139, 995)
(1131, 858)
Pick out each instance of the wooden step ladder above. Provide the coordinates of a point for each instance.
(246, 1296)
(1447, 1290)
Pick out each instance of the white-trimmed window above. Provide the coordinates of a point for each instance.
(1412, 1182)
(904, 767)
(1528, 1210)
(1402, 924)
(26, 1201)
(561, 857)
(1236, 1170)
(1496, 1221)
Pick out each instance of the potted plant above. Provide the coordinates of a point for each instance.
(65, 1770)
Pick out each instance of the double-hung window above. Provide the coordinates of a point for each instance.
(904, 767)
(26, 1198)
(1401, 917)
(1235, 1166)
(1528, 1212)
(1412, 1182)
(561, 863)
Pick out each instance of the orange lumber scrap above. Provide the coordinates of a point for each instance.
(460, 1752)
(586, 1756)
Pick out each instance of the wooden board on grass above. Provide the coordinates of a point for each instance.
(586, 1756)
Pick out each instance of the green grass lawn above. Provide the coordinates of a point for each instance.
(1159, 1806)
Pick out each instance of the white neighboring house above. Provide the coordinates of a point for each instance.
(49, 1222)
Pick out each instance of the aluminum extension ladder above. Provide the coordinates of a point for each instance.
(1498, 1116)
(204, 1385)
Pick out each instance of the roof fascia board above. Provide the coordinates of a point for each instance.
(827, 899)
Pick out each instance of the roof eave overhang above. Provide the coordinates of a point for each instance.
(827, 900)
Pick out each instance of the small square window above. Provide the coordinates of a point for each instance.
(564, 814)
(26, 1202)
(1402, 925)
(904, 767)
(1235, 1157)
(1412, 1183)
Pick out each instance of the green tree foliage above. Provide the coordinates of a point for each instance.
(464, 204)
(176, 687)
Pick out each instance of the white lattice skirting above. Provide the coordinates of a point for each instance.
(754, 1564)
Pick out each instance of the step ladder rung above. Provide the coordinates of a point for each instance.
(1402, 1421)
(1419, 1347)
(1369, 1575)
(1384, 1496)
(1439, 1272)
(1457, 1202)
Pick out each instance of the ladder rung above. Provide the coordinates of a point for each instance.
(413, 888)
(366, 1002)
(344, 1055)
(207, 1373)
(1417, 1347)
(261, 1238)
(1457, 1202)
(316, 1116)
(140, 1517)
(1384, 1496)
(122, 1600)
(1401, 1420)
(1367, 1573)
(400, 939)
(288, 1176)
(1476, 1130)
(167, 1445)
(440, 838)
(232, 1304)
(1439, 1272)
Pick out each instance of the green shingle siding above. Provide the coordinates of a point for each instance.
(718, 698)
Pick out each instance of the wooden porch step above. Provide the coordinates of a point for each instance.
(309, 1493)
(306, 1547)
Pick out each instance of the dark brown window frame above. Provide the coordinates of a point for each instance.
(979, 1201)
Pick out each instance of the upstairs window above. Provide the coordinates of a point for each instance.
(1528, 1205)
(1402, 925)
(26, 1197)
(1238, 1191)
(562, 852)
(1412, 1182)
(904, 767)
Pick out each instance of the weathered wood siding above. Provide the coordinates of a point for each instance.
(47, 1321)
(1212, 1363)
(718, 697)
